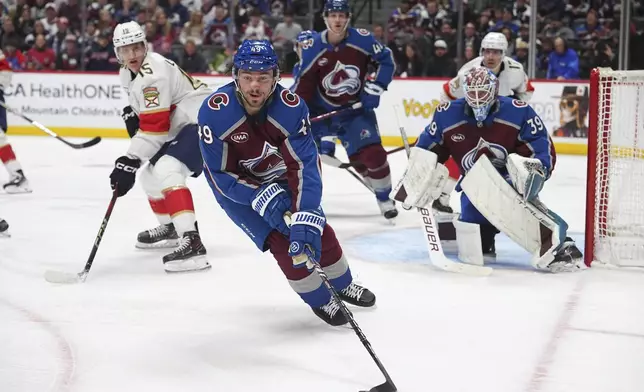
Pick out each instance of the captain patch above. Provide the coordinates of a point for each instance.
(151, 97)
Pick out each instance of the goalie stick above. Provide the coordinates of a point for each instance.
(48, 131)
(388, 385)
(70, 277)
(430, 230)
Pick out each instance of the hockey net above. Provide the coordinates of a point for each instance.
(615, 187)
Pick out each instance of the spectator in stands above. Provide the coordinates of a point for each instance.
(441, 65)
(591, 28)
(412, 65)
(435, 16)
(603, 56)
(285, 33)
(378, 32)
(16, 59)
(57, 40)
(471, 38)
(256, 28)
(71, 10)
(49, 21)
(191, 60)
(556, 29)
(24, 25)
(141, 17)
(469, 54)
(510, 38)
(38, 10)
(193, 29)
(39, 28)
(177, 13)
(507, 21)
(101, 56)
(9, 34)
(69, 57)
(218, 28)
(577, 8)
(563, 62)
(543, 58)
(164, 31)
(126, 13)
(151, 9)
(484, 22)
(423, 42)
(521, 12)
(521, 54)
(40, 57)
(448, 34)
(402, 19)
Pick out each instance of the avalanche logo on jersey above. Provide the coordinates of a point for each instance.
(344, 79)
(497, 153)
(267, 167)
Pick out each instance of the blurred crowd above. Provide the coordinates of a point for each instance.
(201, 35)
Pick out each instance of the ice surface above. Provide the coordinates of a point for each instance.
(239, 327)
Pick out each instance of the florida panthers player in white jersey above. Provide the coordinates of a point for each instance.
(161, 119)
(513, 82)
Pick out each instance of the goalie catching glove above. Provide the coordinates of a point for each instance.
(423, 181)
(527, 175)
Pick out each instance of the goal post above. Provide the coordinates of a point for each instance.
(615, 173)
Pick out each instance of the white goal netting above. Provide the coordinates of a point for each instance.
(616, 168)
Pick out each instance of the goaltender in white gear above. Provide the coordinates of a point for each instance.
(166, 101)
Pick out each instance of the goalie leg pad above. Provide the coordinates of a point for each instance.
(468, 239)
(532, 226)
(423, 180)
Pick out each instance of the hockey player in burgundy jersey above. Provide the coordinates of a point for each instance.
(333, 75)
(505, 130)
(261, 162)
(17, 181)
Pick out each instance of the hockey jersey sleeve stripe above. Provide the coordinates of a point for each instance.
(155, 121)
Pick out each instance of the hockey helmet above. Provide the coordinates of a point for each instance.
(494, 41)
(305, 36)
(481, 88)
(256, 56)
(336, 6)
(126, 34)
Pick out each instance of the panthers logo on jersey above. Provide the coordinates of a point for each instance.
(267, 167)
(497, 153)
(344, 79)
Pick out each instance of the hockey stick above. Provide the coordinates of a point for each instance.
(388, 385)
(332, 113)
(48, 131)
(70, 277)
(430, 229)
(329, 161)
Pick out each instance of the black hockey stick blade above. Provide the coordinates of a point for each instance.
(385, 387)
(78, 146)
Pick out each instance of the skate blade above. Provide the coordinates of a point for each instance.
(173, 267)
(63, 277)
(12, 190)
(5, 234)
(165, 244)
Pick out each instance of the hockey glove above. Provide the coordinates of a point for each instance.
(327, 145)
(124, 174)
(370, 95)
(131, 120)
(306, 237)
(271, 201)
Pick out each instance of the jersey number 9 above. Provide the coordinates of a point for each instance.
(205, 134)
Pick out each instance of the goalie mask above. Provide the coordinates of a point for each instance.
(480, 88)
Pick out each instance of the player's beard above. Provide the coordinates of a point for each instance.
(254, 98)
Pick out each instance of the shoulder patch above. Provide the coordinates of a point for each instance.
(218, 100)
(443, 106)
(519, 103)
(151, 97)
(289, 98)
(364, 32)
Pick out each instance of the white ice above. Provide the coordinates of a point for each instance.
(239, 327)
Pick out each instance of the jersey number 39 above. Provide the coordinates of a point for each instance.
(536, 124)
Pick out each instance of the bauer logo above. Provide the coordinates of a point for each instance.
(241, 137)
(457, 138)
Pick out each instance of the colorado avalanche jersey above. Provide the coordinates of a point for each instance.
(331, 76)
(5, 72)
(165, 98)
(513, 80)
(243, 152)
(511, 127)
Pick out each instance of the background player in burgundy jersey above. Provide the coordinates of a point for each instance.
(333, 75)
(262, 164)
(17, 181)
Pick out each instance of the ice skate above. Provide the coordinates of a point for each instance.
(17, 183)
(388, 209)
(4, 228)
(331, 313)
(162, 236)
(189, 256)
(568, 259)
(441, 205)
(358, 296)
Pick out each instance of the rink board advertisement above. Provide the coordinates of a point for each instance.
(90, 105)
